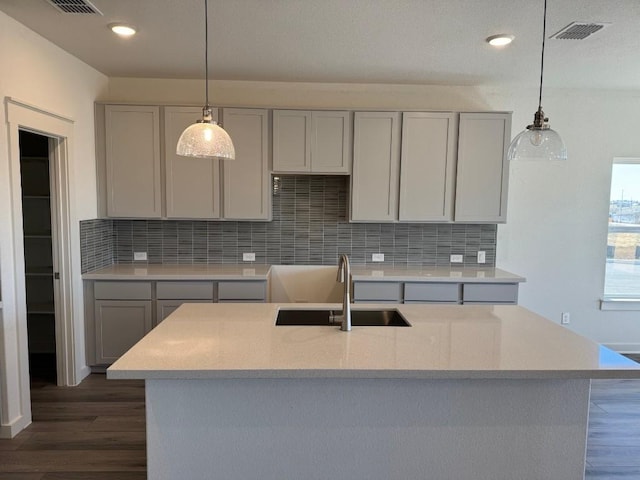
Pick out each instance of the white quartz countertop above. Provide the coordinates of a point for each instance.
(262, 272)
(206, 341)
(179, 272)
(435, 274)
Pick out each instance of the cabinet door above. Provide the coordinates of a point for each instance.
(246, 180)
(291, 141)
(427, 173)
(119, 325)
(192, 184)
(132, 147)
(330, 142)
(376, 162)
(164, 308)
(483, 168)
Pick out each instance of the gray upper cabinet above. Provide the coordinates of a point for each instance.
(132, 183)
(291, 141)
(192, 184)
(246, 180)
(427, 167)
(132, 161)
(376, 163)
(331, 142)
(311, 142)
(483, 168)
(437, 181)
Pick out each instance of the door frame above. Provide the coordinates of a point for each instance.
(15, 395)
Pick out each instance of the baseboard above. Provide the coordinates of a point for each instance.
(624, 347)
(11, 430)
(84, 373)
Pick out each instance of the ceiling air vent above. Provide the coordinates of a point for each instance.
(579, 30)
(75, 6)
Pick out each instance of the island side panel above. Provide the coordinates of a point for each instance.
(385, 429)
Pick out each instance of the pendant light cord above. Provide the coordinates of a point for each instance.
(544, 34)
(206, 52)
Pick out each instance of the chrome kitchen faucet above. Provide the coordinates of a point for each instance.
(344, 276)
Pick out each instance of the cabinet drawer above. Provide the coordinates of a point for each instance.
(122, 290)
(377, 291)
(164, 308)
(185, 290)
(490, 293)
(242, 290)
(432, 292)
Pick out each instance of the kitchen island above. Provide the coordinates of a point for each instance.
(466, 392)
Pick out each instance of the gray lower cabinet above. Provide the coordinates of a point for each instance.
(164, 308)
(119, 313)
(431, 292)
(242, 291)
(435, 292)
(378, 292)
(123, 314)
(119, 325)
(171, 294)
(490, 293)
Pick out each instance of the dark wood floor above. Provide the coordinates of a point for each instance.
(96, 431)
(613, 445)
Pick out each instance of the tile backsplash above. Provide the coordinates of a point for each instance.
(96, 244)
(309, 227)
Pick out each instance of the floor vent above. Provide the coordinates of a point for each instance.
(579, 30)
(75, 6)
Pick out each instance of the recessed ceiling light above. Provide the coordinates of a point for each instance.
(500, 40)
(122, 29)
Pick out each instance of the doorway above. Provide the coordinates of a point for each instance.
(15, 395)
(39, 227)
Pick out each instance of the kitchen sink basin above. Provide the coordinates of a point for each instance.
(359, 318)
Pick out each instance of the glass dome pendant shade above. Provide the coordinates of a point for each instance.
(206, 139)
(538, 142)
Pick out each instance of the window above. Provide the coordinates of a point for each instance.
(622, 278)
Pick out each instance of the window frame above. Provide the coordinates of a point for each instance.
(613, 302)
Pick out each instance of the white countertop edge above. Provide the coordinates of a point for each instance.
(115, 374)
(359, 273)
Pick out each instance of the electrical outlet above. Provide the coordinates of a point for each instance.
(566, 318)
(482, 257)
(377, 257)
(248, 257)
(139, 256)
(456, 258)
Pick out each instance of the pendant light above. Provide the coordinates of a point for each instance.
(538, 141)
(205, 138)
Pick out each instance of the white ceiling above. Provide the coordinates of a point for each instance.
(363, 41)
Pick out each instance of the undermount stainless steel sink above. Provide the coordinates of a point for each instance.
(359, 318)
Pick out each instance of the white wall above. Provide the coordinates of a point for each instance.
(38, 73)
(557, 220)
